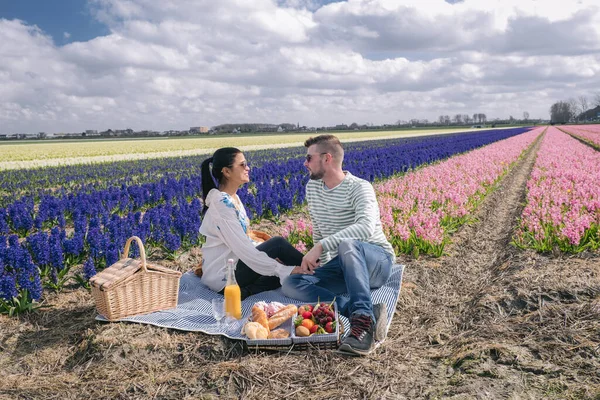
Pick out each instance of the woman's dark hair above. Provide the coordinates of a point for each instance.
(222, 158)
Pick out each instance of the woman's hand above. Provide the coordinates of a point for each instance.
(300, 270)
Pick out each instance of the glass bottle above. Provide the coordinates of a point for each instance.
(233, 294)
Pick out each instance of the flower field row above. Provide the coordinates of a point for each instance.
(420, 210)
(278, 182)
(563, 199)
(587, 133)
(64, 180)
(41, 239)
(91, 147)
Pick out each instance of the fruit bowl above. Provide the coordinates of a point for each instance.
(319, 338)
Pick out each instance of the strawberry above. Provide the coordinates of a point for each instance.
(305, 307)
(307, 315)
(330, 327)
(314, 329)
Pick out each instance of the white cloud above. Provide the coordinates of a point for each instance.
(174, 64)
(66, 35)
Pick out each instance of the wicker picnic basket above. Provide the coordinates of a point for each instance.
(132, 287)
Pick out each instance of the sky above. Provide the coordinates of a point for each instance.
(72, 65)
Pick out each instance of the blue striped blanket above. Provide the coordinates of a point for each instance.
(194, 309)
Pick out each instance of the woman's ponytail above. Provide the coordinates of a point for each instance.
(207, 181)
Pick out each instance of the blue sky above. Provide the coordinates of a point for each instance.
(55, 17)
(69, 21)
(173, 64)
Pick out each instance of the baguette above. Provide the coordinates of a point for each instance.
(258, 315)
(282, 315)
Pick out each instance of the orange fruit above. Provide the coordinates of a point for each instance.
(307, 323)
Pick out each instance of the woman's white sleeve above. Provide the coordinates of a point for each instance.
(232, 234)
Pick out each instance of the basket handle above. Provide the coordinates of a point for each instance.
(140, 246)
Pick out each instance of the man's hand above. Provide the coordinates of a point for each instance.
(311, 261)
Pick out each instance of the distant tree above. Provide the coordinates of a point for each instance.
(447, 119)
(353, 125)
(525, 116)
(466, 119)
(582, 103)
(458, 119)
(573, 108)
(475, 118)
(42, 135)
(596, 102)
(561, 112)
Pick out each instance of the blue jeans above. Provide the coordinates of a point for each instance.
(358, 268)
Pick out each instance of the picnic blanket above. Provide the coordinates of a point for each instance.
(194, 309)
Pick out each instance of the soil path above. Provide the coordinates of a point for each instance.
(437, 305)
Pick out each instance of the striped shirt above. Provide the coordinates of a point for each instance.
(347, 211)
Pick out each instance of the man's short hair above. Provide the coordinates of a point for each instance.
(327, 144)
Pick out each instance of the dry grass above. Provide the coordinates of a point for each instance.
(485, 321)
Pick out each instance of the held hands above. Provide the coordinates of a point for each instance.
(311, 261)
(299, 270)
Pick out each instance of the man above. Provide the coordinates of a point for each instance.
(350, 254)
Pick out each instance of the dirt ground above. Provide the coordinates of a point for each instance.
(486, 321)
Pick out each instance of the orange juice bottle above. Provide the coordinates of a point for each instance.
(233, 295)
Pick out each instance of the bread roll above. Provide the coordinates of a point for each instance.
(258, 315)
(258, 236)
(282, 315)
(254, 330)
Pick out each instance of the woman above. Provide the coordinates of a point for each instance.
(226, 227)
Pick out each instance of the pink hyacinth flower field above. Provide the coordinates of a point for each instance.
(587, 133)
(421, 209)
(563, 199)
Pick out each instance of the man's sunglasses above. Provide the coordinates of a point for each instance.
(310, 156)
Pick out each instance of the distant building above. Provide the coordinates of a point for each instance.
(71, 134)
(590, 115)
(199, 129)
(124, 132)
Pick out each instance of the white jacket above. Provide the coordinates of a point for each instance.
(225, 228)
